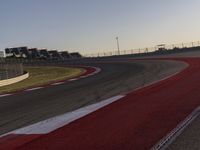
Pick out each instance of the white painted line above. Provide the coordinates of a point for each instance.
(83, 76)
(54, 123)
(33, 89)
(4, 95)
(58, 83)
(73, 79)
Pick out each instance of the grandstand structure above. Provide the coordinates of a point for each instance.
(13, 59)
(34, 53)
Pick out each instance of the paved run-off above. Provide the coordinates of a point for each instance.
(137, 121)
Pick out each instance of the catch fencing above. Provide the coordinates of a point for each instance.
(144, 50)
(10, 68)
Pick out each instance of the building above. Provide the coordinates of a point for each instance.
(65, 54)
(55, 54)
(35, 54)
(75, 55)
(44, 54)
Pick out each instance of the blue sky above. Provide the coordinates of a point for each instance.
(90, 26)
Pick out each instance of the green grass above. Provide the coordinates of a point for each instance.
(42, 75)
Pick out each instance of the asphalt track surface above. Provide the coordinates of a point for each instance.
(137, 121)
(30, 107)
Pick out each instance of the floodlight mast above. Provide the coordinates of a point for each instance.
(117, 38)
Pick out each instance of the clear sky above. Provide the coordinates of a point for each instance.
(90, 26)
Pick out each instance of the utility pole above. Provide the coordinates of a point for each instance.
(117, 38)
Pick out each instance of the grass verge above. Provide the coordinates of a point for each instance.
(42, 75)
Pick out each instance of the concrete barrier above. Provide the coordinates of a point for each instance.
(14, 80)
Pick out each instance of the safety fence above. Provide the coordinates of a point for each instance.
(10, 68)
(145, 50)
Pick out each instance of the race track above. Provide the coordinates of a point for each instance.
(100, 127)
(137, 121)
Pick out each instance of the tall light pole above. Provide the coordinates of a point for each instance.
(117, 38)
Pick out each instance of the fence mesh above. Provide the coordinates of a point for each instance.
(144, 50)
(13, 67)
(10, 68)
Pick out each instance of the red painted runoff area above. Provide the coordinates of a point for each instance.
(136, 122)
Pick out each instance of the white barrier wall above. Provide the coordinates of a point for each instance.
(13, 80)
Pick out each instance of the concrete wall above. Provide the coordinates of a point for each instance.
(13, 80)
